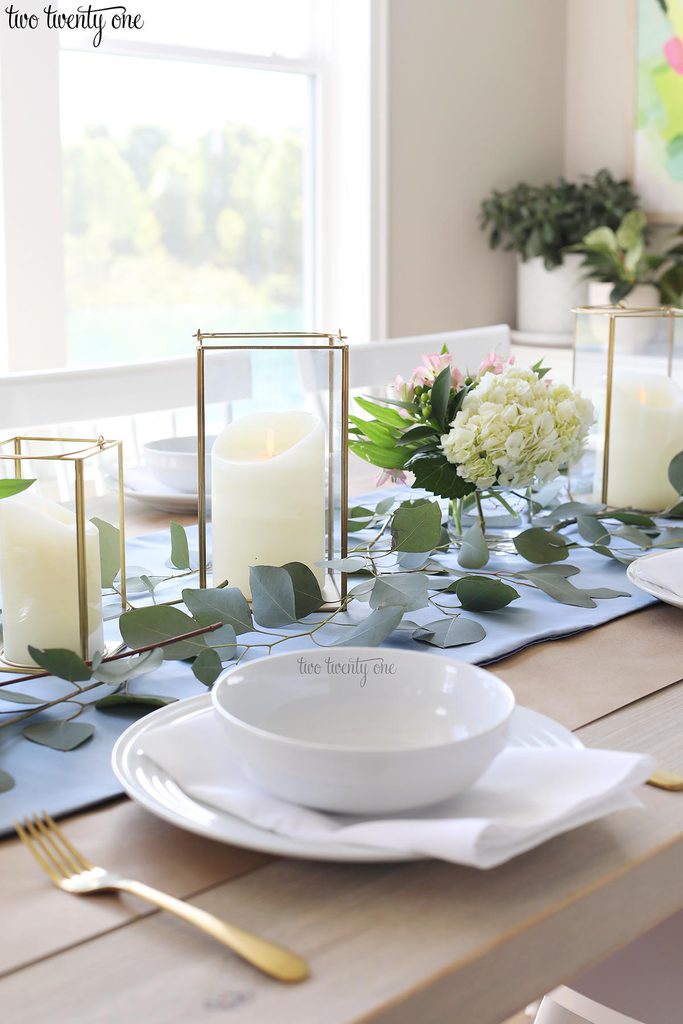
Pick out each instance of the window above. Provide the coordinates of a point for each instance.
(211, 171)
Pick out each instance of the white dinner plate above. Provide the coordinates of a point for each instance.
(634, 574)
(148, 784)
(141, 485)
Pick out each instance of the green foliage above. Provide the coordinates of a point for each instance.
(416, 526)
(207, 667)
(676, 473)
(223, 604)
(272, 595)
(482, 594)
(118, 700)
(548, 220)
(539, 545)
(110, 551)
(11, 487)
(400, 590)
(6, 782)
(453, 631)
(474, 552)
(180, 549)
(434, 473)
(620, 258)
(160, 625)
(372, 630)
(64, 664)
(64, 735)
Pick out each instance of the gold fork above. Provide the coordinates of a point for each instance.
(71, 871)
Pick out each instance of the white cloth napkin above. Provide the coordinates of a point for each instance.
(527, 796)
(664, 570)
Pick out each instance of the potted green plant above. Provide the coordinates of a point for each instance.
(620, 268)
(542, 224)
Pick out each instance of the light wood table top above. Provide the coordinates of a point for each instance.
(423, 941)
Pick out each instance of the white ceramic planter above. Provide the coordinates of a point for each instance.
(643, 296)
(632, 334)
(545, 298)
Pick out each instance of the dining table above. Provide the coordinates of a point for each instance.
(395, 943)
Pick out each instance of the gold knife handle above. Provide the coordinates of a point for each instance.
(667, 780)
(274, 960)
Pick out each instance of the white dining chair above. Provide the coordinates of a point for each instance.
(565, 1006)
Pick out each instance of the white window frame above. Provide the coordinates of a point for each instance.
(345, 256)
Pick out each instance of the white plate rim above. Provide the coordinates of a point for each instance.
(633, 574)
(223, 827)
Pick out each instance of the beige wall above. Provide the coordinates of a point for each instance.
(476, 98)
(599, 86)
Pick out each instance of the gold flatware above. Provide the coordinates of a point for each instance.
(666, 780)
(72, 872)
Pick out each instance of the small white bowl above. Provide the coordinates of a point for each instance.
(361, 730)
(173, 462)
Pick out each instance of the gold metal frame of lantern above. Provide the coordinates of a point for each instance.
(336, 389)
(92, 447)
(616, 315)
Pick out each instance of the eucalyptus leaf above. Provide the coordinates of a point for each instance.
(160, 624)
(384, 505)
(372, 630)
(117, 700)
(115, 672)
(407, 591)
(634, 519)
(593, 530)
(110, 551)
(224, 642)
(605, 593)
(61, 663)
(481, 594)
(617, 556)
(343, 564)
(633, 535)
(416, 526)
(10, 487)
(15, 697)
(411, 560)
(307, 595)
(474, 552)
(554, 569)
(560, 589)
(453, 631)
(676, 473)
(180, 549)
(220, 604)
(572, 509)
(542, 546)
(64, 735)
(272, 594)
(6, 781)
(207, 667)
(362, 591)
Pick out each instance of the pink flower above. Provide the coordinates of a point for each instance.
(493, 363)
(431, 367)
(673, 51)
(394, 476)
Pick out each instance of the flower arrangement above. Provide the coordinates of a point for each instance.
(503, 427)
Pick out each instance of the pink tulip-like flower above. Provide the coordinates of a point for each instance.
(393, 476)
(673, 51)
(493, 363)
(431, 367)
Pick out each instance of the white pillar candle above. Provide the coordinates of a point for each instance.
(268, 494)
(39, 578)
(646, 431)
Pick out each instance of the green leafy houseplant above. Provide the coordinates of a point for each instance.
(547, 220)
(620, 258)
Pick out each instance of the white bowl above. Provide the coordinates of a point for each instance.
(362, 730)
(173, 462)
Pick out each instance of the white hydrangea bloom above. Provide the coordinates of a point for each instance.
(514, 427)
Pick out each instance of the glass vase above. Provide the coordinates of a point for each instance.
(502, 516)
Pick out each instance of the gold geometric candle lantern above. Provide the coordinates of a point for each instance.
(629, 362)
(50, 551)
(279, 478)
